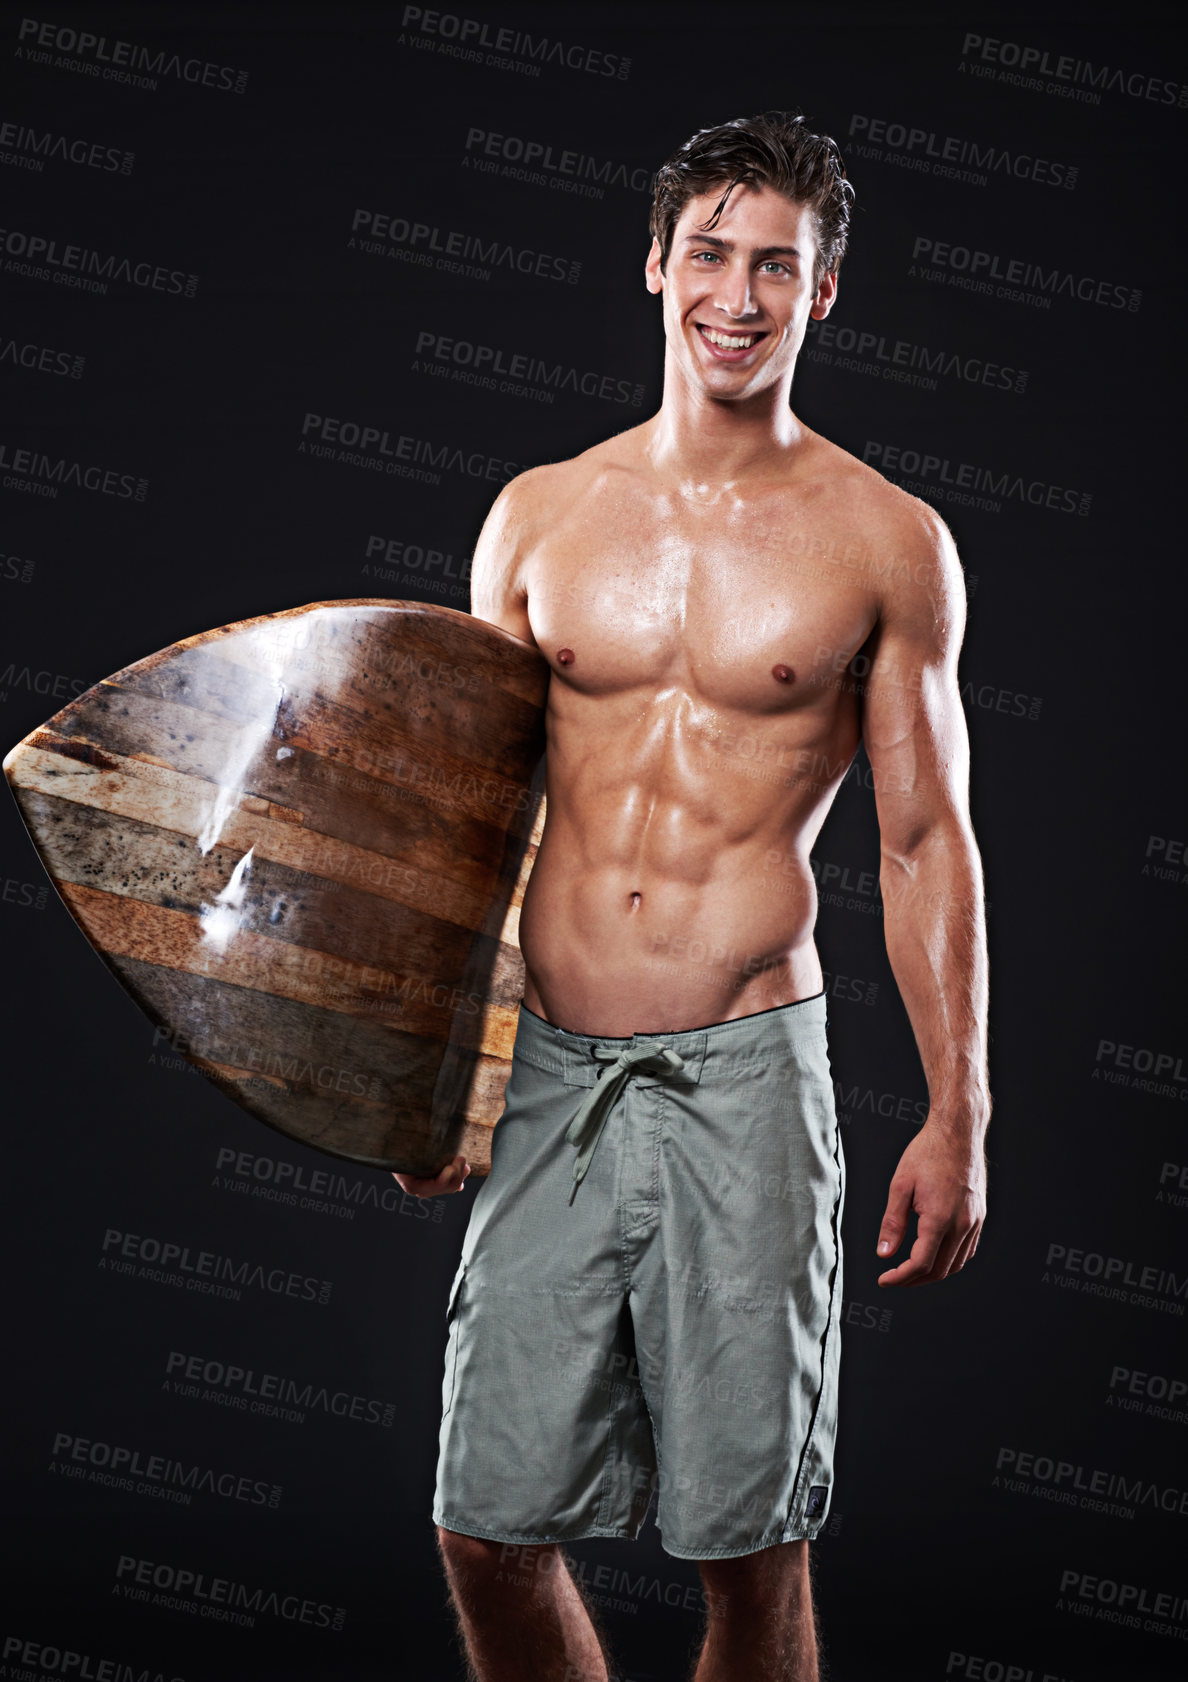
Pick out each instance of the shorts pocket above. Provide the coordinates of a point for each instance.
(451, 1356)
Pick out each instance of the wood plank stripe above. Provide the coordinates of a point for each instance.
(370, 752)
(515, 666)
(302, 787)
(416, 1003)
(138, 861)
(153, 794)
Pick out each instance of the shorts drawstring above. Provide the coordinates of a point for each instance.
(585, 1130)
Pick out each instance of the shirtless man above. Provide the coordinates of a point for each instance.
(651, 1277)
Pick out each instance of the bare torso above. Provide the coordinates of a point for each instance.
(700, 721)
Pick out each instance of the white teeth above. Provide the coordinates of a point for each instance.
(728, 342)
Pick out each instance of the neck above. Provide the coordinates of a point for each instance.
(717, 442)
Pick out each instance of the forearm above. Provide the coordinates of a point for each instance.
(935, 929)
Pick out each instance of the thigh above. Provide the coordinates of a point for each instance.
(545, 1434)
(739, 1320)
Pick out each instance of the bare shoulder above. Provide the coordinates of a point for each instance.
(528, 504)
(546, 491)
(904, 550)
(519, 518)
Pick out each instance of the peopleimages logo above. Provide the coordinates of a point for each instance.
(1132, 1605)
(966, 483)
(31, 147)
(42, 359)
(121, 1467)
(1017, 279)
(181, 1590)
(1116, 1278)
(1090, 1485)
(539, 163)
(1160, 1064)
(319, 1188)
(120, 61)
(517, 373)
(479, 42)
(433, 566)
(890, 1105)
(40, 258)
(58, 685)
(1153, 1393)
(198, 1378)
(199, 1270)
(453, 251)
(42, 474)
(952, 157)
(386, 452)
(67, 1662)
(1072, 78)
(904, 362)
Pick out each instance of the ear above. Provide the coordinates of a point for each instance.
(826, 293)
(653, 278)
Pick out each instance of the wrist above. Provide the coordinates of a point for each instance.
(966, 1117)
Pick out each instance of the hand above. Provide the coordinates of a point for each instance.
(450, 1178)
(942, 1176)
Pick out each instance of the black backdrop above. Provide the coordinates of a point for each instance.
(307, 215)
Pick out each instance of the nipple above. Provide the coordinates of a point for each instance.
(565, 656)
(782, 674)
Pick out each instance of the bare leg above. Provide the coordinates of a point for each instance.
(520, 1612)
(762, 1627)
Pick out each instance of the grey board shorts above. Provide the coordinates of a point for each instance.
(671, 1321)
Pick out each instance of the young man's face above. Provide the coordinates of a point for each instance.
(750, 279)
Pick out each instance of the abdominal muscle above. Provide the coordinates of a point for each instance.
(672, 888)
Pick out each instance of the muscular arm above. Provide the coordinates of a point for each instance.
(497, 590)
(931, 879)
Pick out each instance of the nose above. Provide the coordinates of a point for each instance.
(732, 295)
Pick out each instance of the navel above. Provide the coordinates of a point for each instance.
(782, 674)
(565, 656)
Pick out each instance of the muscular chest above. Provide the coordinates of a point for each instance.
(747, 608)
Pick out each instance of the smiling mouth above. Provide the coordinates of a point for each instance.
(728, 344)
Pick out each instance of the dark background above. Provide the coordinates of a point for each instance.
(935, 1563)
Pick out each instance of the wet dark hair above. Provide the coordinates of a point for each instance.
(775, 149)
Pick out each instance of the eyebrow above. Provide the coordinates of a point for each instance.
(728, 245)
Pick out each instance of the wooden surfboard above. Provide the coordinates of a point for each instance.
(301, 843)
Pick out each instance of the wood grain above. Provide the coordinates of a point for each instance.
(301, 842)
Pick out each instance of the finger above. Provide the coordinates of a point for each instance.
(919, 1264)
(455, 1171)
(895, 1217)
(951, 1244)
(968, 1245)
(450, 1178)
(955, 1250)
(975, 1238)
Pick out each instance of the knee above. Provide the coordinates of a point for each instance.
(754, 1585)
